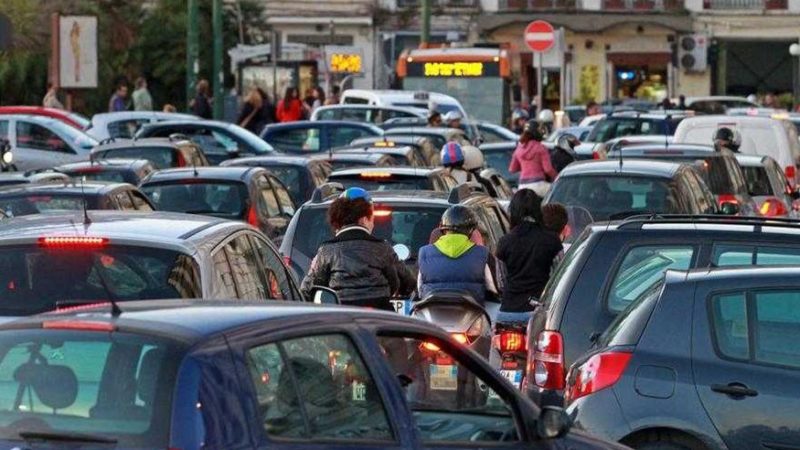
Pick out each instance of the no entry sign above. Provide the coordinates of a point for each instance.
(540, 36)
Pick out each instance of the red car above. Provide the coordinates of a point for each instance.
(70, 118)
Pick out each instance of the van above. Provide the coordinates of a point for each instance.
(763, 136)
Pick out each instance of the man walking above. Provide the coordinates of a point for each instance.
(142, 101)
(117, 101)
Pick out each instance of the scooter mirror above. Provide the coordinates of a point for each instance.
(402, 251)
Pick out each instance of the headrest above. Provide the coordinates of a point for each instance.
(56, 386)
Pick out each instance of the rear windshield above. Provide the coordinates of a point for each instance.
(718, 172)
(391, 183)
(627, 327)
(347, 164)
(616, 196)
(100, 175)
(757, 181)
(216, 198)
(616, 127)
(161, 157)
(107, 385)
(36, 278)
(292, 178)
(42, 204)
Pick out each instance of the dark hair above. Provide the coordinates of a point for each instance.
(525, 203)
(264, 95)
(287, 97)
(344, 212)
(320, 94)
(554, 217)
(202, 86)
(335, 89)
(591, 104)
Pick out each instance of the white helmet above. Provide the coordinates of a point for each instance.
(752, 98)
(473, 157)
(452, 115)
(546, 116)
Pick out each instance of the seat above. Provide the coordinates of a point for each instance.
(55, 386)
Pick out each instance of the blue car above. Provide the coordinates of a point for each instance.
(317, 136)
(201, 375)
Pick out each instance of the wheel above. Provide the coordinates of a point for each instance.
(666, 440)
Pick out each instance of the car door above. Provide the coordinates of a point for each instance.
(39, 148)
(240, 268)
(123, 201)
(279, 282)
(269, 209)
(746, 363)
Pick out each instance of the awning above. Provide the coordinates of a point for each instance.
(639, 59)
(587, 22)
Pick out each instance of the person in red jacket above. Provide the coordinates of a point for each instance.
(532, 160)
(290, 108)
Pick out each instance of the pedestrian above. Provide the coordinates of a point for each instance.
(118, 99)
(51, 97)
(666, 104)
(319, 98)
(682, 102)
(434, 119)
(290, 108)
(200, 106)
(169, 108)
(770, 101)
(267, 108)
(593, 109)
(250, 115)
(142, 101)
(333, 99)
(532, 160)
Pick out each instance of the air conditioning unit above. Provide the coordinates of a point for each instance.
(693, 52)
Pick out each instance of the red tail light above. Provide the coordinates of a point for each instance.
(727, 198)
(72, 241)
(772, 207)
(252, 216)
(512, 341)
(461, 338)
(599, 372)
(548, 360)
(430, 346)
(181, 161)
(381, 213)
(790, 172)
(82, 325)
(287, 261)
(595, 155)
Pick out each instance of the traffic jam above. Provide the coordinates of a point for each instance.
(436, 265)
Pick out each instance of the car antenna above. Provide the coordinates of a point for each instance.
(194, 167)
(86, 220)
(620, 156)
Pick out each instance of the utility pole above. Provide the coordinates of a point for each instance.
(425, 23)
(192, 51)
(216, 19)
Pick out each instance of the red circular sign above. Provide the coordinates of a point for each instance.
(540, 36)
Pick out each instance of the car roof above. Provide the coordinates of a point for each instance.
(128, 115)
(110, 163)
(351, 156)
(34, 118)
(148, 142)
(73, 188)
(226, 173)
(738, 272)
(751, 160)
(317, 123)
(401, 171)
(663, 169)
(407, 139)
(395, 150)
(407, 109)
(717, 120)
(192, 123)
(442, 131)
(435, 198)
(499, 146)
(678, 150)
(398, 94)
(277, 160)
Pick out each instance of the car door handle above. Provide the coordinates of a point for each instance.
(734, 390)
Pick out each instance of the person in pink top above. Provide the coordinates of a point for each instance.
(532, 160)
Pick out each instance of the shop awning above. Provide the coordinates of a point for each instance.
(639, 59)
(587, 22)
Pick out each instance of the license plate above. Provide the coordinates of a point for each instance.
(514, 376)
(402, 306)
(444, 378)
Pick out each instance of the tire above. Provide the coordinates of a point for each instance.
(666, 441)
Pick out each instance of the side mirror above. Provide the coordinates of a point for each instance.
(402, 252)
(321, 295)
(553, 422)
(729, 208)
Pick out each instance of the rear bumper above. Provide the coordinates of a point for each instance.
(600, 415)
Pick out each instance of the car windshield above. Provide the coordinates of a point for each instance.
(612, 128)
(408, 225)
(161, 157)
(384, 183)
(211, 197)
(99, 175)
(337, 164)
(80, 119)
(757, 181)
(256, 144)
(715, 170)
(613, 197)
(45, 203)
(99, 386)
(499, 160)
(40, 277)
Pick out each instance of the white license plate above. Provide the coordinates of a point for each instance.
(514, 376)
(444, 377)
(399, 306)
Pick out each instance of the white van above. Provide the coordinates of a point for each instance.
(762, 136)
(409, 99)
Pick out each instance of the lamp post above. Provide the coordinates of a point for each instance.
(794, 50)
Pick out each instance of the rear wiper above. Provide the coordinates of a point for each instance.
(66, 436)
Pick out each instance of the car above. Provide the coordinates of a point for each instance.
(437, 135)
(51, 261)
(348, 160)
(52, 197)
(164, 153)
(720, 170)
(615, 189)
(706, 360)
(366, 113)
(471, 129)
(405, 155)
(39, 142)
(576, 113)
(125, 124)
(299, 174)
(395, 179)
(762, 136)
(579, 132)
(496, 185)
(498, 157)
(406, 218)
(218, 140)
(717, 104)
(47, 176)
(248, 194)
(405, 99)
(70, 118)
(425, 145)
(307, 137)
(492, 133)
(625, 124)
(158, 374)
(612, 264)
(131, 171)
(768, 186)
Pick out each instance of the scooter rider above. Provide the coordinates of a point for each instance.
(564, 152)
(452, 157)
(454, 262)
(532, 160)
(725, 138)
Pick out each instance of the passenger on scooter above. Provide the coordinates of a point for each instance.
(454, 262)
(555, 219)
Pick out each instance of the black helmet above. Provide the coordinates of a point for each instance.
(725, 137)
(534, 128)
(567, 142)
(459, 219)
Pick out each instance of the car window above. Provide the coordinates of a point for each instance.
(161, 157)
(295, 139)
(341, 136)
(218, 198)
(41, 204)
(746, 255)
(31, 135)
(317, 388)
(140, 202)
(499, 161)
(99, 175)
(125, 129)
(212, 142)
(699, 191)
(292, 178)
(758, 182)
(641, 268)
(4, 130)
(274, 272)
(382, 181)
(124, 201)
(284, 199)
(223, 286)
(355, 101)
(267, 200)
(628, 326)
(243, 261)
(448, 400)
(739, 183)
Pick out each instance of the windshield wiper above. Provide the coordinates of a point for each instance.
(66, 436)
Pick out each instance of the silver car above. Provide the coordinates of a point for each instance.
(768, 186)
(39, 142)
(125, 124)
(64, 260)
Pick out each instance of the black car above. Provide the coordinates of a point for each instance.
(402, 155)
(300, 175)
(219, 140)
(348, 160)
(308, 137)
(217, 376)
(131, 171)
(613, 264)
(719, 169)
(47, 176)
(498, 157)
(706, 359)
(249, 194)
(424, 145)
(38, 198)
(175, 151)
(395, 179)
(615, 189)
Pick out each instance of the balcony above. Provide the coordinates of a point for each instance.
(745, 5)
(642, 5)
(536, 5)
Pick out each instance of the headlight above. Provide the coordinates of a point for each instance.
(8, 157)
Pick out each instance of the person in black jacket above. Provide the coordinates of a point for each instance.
(564, 152)
(527, 253)
(201, 106)
(362, 269)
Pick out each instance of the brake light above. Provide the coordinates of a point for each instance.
(67, 309)
(548, 360)
(72, 241)
(772, 207)
(728, 198)
(430, 346)
(252, 216)
(181, 161)
(82, 325)
(595, 155)
(382, 212)
(512, 341)
(599, 372)
(461, 338)
(375, 175)
(790, 172)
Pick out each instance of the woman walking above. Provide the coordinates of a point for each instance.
(290, 108)
(532, 160)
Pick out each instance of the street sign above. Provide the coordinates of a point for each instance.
(540, 36)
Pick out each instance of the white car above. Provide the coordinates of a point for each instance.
(125, 124)
(716, 104)
(408, 99)
(39, 142)
(367, 113)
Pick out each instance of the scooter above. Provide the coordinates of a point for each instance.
(510, 342)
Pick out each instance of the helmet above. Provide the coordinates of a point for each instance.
(731, 138)
(534, 128)
(567, 142)
(452, 155)
(452, 115)
(546, 116)
(518, 114)
(459, 219)
(473, 157)
(355, 193)
(752, 98)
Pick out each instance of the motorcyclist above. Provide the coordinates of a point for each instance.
(362, 269)
(452, 119)
(564, 152)
(532, 160)
(434, 119)
(546, 120)
(518, 119)
(452, 157)
(454, 262)
(725, 138)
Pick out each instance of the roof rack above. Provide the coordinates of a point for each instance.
(636, 222)
(464, 191)
(326, 191)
